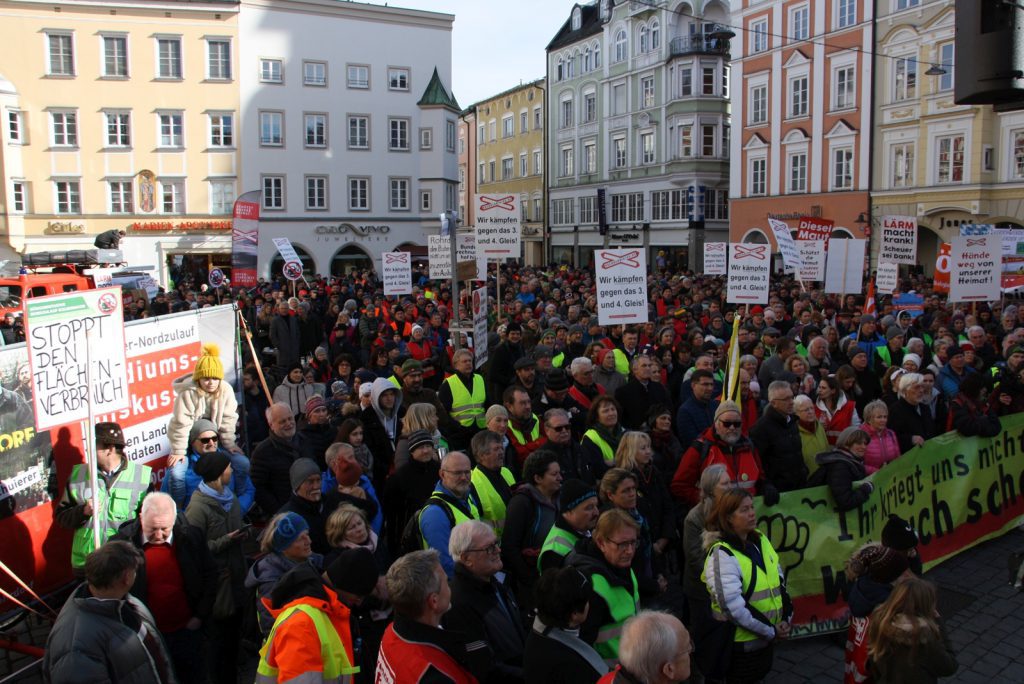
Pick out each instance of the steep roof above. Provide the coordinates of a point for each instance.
(590, 25)
(437, 95)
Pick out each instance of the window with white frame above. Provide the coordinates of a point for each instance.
(686, 141)
(619, 152)
(481, 175)
(946, 63)
(222, 129)
(686, 80)
(566, 165)
(643, 36)
(562, 212)
(68, 196)
(597, 56)
(316, 130)
(797, 172)
(660, 205)
(19, 196)
(842, 168)
(172, 129)
(15, 126)
(647, 148)
(619, 105)
(906, 4)
(538, 118)
(1017, 170)
(524, 122)
(725, 80)
(538, 213)
(492, 125)
(115, 56)
(587, 62)
(628, 206)
(316, 193)
(759, 104)
(560, 69)
(314, 73)
(846, 13)
(589, 107)
(845, 87)
(449, 135)
(707, 80)
(359, 194)
(359, 132)
(507, 165)
(524, 166)
(902, 170)
(647, 92)
(565, 118)
(271, 70)
(726, 129)
(120, 193)
(222, 197)
(358, 76)
(426, 138)
(758, 175)
(172, 196)
(218, 59)
(398, 134)
(707, 140)
(169, 63)
(271, 129)
(588, 209)
(799, 23)
(64, 128)
(508, 126)
(273, 192)
(589, 157)
(759, 35)
(904, 75)
(950, 149)
(398, 78)
(798, 96)
(118, 129)
(620, 46)
(426, 200)
(60, 54)
(655, 35)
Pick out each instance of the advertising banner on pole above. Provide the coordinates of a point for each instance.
(887, 277)
(397, 272)
(899, 240)
(844, 267)
(76, 353)
(975, 268)
(480, 326)
(439, 253)
(245, 238)
(941, 280)
(498, 226)
(714, 258)
(621, 286)
(784, 239)
(749, 272)
(814, 228)
(812, 259)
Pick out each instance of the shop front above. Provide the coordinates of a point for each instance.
(667, 246)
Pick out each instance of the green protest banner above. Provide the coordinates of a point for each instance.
(956, 491)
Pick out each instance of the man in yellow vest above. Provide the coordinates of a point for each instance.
(313, 610)
(577, 502)
(492, 481)
(448, 505)
(122, 486)
(463, 396)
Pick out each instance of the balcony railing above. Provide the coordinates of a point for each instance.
(698, 42)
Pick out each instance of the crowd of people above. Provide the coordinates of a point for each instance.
(373, 506)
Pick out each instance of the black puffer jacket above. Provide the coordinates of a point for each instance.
(271, 460)
(839, 469)
(777, 439)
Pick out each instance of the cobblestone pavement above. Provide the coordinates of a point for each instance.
(984, 617)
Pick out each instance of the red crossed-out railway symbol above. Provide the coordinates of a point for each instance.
(757, 252)
(980, 242)
(396, 257)
(487, 203)
(627, 259)
(715, 246)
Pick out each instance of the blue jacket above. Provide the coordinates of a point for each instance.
(328, 483)
(192, 481)
(693, 418)
(869, 346)
(949, 382)
(437, 530)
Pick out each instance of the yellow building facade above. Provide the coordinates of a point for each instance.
(120, 116)
(510, 157)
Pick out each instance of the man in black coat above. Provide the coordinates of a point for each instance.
(501, 373)
(307, 500)
(777, 438)
(272, 459)
(640, 393)
(177, 579)
(284, 335)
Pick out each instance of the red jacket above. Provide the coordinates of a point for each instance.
(741, 460)
(836, 421)
(413, 651)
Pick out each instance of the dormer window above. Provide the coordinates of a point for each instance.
(577, 19)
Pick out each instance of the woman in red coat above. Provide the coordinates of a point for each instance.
(833, 409)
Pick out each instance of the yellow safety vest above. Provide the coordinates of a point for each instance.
(767, 594)
(468, 408)
(119, 504)
(491, 504)
(559, 542)
(523, 439)
(606, 449)
(457, 514)
(621, 361)
(622, 604)
(334, 657)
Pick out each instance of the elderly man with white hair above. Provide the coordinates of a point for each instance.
(482, 606)
(655, 649)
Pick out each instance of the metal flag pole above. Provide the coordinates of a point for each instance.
(89, 440)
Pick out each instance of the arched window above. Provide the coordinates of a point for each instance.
(570, 66)
(597, 56)
(586, 59)
(620, 45)
(655, 35)
(643, 46)
(558, 70)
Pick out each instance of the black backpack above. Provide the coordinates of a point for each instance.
(412, 534)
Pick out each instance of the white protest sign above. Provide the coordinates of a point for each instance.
(621, 286)
(975, 268)
(1011, 238)
(77, 355)
(887, 277)
(749, 271)
(714, 258)
(397, 270)
(497, 226)
(812, 259)
(480, 326)
(784, 239)
(439, 253)
(899, 240)
(844, 266)
(285, 249)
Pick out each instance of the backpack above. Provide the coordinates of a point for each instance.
(412, 534)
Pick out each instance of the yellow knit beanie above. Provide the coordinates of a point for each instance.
(209, 364)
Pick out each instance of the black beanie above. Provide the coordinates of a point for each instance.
(898, 534)
(212, 465)
(354, 571)
(573, 493)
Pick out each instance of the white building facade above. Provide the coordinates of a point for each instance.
(348, 129)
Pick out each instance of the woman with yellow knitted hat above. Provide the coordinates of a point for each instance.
(203, 394)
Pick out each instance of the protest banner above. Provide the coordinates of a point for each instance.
(285, 249)
(498, 226)
(975, 268)
(439, 254)
(245, 238)
(749, 273)
(912, 303)
(956, 491)
(887, 276)
(714, 258)
(787, 247)
(812, 259)
(621, 286)
(941, 280)
(976, 228)
(397, 271)
(844, 267)
(76, 353)
(814, 228)
(899, 240)
(480, 326)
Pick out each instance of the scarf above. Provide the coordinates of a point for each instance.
(570, 638)
(225, 498)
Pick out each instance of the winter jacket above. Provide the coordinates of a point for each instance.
(651, 486)
(416, 653)
(844, 416)
(284, 336)
(549, 659)
(315, 515)
(294, 394)
(869, 345)
(949, 381)
(191, 403)
(501, 373)
(778, 443)
(610, 380)
(973, 420)
(589, 560)
(812, 444)
(246, 497)
(381, 431)
(436, 527)
(693, 548)
(315, 440)
(910, 421)
(96, 640)
(404, 494)
(932, 658)
(528, 519)
(866, 594)
(637, 399)
(741, 460)
(573, 462)
(883, 448)
(840, 470)
(264, 575)
(693, 418)
(271, 460)
(487, 610)
(206, 513)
